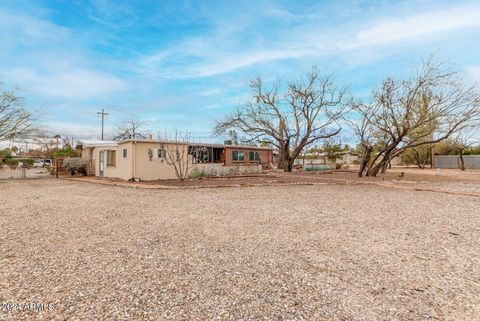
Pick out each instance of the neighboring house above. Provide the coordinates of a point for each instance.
(348, 158)
(322, 159)
(147, 159)
(315, 159)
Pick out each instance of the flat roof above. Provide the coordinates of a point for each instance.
(155, 141)
(229, 146)
(98, 143)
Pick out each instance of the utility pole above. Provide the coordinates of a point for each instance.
(103, 113)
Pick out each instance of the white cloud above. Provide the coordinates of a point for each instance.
(45, 58)
(115, 14)
(211, 62)
(71, 83)
(79, 130)
(210, 92)
(224, 50)
(246, 59)
(18, 29)
(402, 29)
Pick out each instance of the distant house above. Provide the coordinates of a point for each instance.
(322, 159)
(347, 158)
(147, 159)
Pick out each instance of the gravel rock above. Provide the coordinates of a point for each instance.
(325, 252)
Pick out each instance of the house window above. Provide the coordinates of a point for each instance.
(238, 155)
(111, 157)
(161, 153)
(254, 156)
(124, 153)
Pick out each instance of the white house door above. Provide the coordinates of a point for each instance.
(101, 165)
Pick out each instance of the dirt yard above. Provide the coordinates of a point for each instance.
(7, 173)
(454, 181)
(306, 252)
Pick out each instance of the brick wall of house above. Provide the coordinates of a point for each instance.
(266, 156)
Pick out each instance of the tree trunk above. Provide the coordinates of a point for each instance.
(289, 166)
(382, 165)
(287, 162)
(377, 168)
(384, 168)
(373, 168)
(365, 161)
(462, 162)
(431, 157)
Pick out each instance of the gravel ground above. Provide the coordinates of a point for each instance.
(7, 173)
(461, 187)
(332, 252)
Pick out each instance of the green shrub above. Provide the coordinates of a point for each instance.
(197, 174)
(75, 166)
(1, 163)
(5, 153)
(314, 168)
(11, 162)
(28, 162)
(66, 151)
(338, 166)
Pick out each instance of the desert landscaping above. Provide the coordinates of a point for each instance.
(240, 160)
(324, 251)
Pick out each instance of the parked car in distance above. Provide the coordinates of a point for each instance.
(38, 163)
(47, 162)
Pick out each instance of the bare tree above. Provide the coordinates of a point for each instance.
(419, 156)
(306, 112)
(46, 142)
(464, 140)
(177, 154)
(363, 130)
(427, 108)
(15, 121)
(130, 129)
(233, 136)
(68, 141)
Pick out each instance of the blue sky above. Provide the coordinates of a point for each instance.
(182, 64)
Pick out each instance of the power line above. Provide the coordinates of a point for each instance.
(103, 113)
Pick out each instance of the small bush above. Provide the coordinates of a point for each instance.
(315, 168)
(5, 153)
(11, 162)
(338, 166)
(76, 166)
(67, 151)
(197, 174)
(27, 162)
